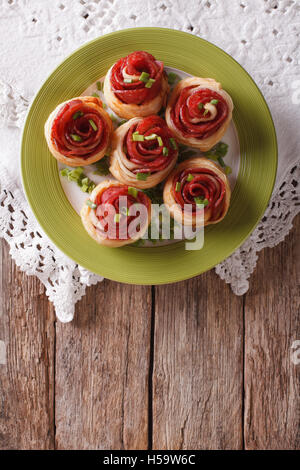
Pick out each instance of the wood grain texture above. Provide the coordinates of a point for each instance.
(102, 368)
(26, 380)
(198, 366)
(272, 325)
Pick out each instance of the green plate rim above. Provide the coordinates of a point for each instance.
(63, 247)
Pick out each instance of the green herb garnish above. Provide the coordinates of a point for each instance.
(173, 143)
(144, 77)
(102, 167)
(178, 186)
(76, 138)
(172, 77)
(132, 191)
(200, 201)
(190, 177)
(99, 86)
(77, 115)
(165, 151)
(93, 125)
(142, 176)
(91, 204)
(160, 141)
(150, 137)
(200, 105)
(214, 101)
(221, 161)
(95, 95)
(137, 137)
(150, 83)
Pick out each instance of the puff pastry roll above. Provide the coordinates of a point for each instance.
(197, 181)
(143, 153)
(199, 112)
(115, 214)
(78, 131)
(136, 85)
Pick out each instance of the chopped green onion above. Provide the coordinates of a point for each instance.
(122, 122)
(200, 105)
(186, 154)
(178, 186)
(76, 137)
(93, 124)
(76, 173)
(64, 172)
(113, 118)
(173, 143)
(142, 176)
(190, 177)
(221, 161)
(124, 210)
(144, 77)
(165, 151)
(117, 218)
(77, 115)
(91, 186)
(228, 170)
(99, 86)
(104, 106)
(199, 201)
(127, 80)
(214, 101)
(137, 137)
(102, 167)
(95, 95)
(150, 137)
(172, 77)
(212, 156)
(91, 204)
(85, 180)
(150, 83)
(205, 112)
(132, 191)
(85, 188)
(159, 140)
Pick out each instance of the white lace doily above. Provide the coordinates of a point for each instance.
(263, 35)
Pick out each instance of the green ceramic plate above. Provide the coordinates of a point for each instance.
(251, 193)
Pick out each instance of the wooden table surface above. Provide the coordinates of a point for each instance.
(182, 366)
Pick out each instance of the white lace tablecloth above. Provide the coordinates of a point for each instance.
(36, 35)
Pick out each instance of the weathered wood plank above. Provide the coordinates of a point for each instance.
(102, 365)
(271, 327)
(26, 377)
(198, 364)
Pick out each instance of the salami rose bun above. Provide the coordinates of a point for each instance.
(152, 157)
(136, 85)
(197, 181)
(199, 112)
(78, 131)
(109, 221)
